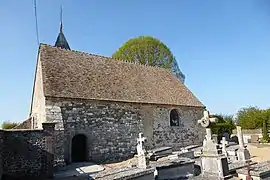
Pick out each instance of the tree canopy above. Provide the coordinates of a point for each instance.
(224, 124)
(145, 50)
(252, 117)
(9, 125)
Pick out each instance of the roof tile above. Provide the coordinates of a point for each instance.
(74, 74)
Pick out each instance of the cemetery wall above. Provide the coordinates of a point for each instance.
(1, 153)
(249, 131)
(25, 154)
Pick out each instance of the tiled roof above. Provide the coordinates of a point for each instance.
(74, 74)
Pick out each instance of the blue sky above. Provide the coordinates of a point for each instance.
(221, 46)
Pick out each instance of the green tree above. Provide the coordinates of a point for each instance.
(251, 117)
(224, 124)
(146, 50)
(9, 125)
(265, 131)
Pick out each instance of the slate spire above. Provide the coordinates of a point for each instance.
(61, 39)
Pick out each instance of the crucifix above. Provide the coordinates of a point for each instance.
(140, 141)
(224, 143)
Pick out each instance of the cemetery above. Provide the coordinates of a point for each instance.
(126, 117)
(212, 160)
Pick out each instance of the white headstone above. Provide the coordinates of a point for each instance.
(240, 136)
(224, 144)
(142, 161)
(140, 141)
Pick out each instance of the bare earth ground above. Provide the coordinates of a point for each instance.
(260, 152)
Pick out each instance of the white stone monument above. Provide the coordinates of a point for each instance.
(224, 143)
(142, 160)
(213, 163)
(242, 153)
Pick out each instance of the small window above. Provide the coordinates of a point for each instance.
(174, 118)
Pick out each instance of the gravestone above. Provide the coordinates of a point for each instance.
(141, 153)
(242, 153)
(224, 143)
(215, 138)
(214, 163)
(234, 139)
(226, 135)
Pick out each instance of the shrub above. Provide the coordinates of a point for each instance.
(9, 125)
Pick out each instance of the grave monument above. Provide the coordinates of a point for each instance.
(141, 152)
(242, 153)
(224, 143)
(213, 161)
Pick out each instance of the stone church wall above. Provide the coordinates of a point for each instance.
(187, 133)
(159, 133)
(27, 124)
(38, 101)
(111, 128)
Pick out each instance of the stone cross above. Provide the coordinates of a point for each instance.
(224, 143)
(142, 159)
(206, 120)
(240, 137)
(140, 141)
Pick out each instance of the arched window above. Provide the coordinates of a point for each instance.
(174, 118)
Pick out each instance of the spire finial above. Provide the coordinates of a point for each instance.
(61, 40)
(61, 18)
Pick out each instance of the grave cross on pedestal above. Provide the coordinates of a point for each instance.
(140, 141)
(142, 159)
(224, 143)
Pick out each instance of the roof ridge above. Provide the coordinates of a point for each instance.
(107, 57)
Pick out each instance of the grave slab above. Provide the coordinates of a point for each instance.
(174, 169)
(79, 169)
(257, 171)
(126, 173)
(159, 152)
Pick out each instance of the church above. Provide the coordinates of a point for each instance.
(99, 105)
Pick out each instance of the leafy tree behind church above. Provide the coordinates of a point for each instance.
(224, 124)
(149, 51)
(9, 125)
(252, 117)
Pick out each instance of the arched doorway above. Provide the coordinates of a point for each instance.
(79, 148)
